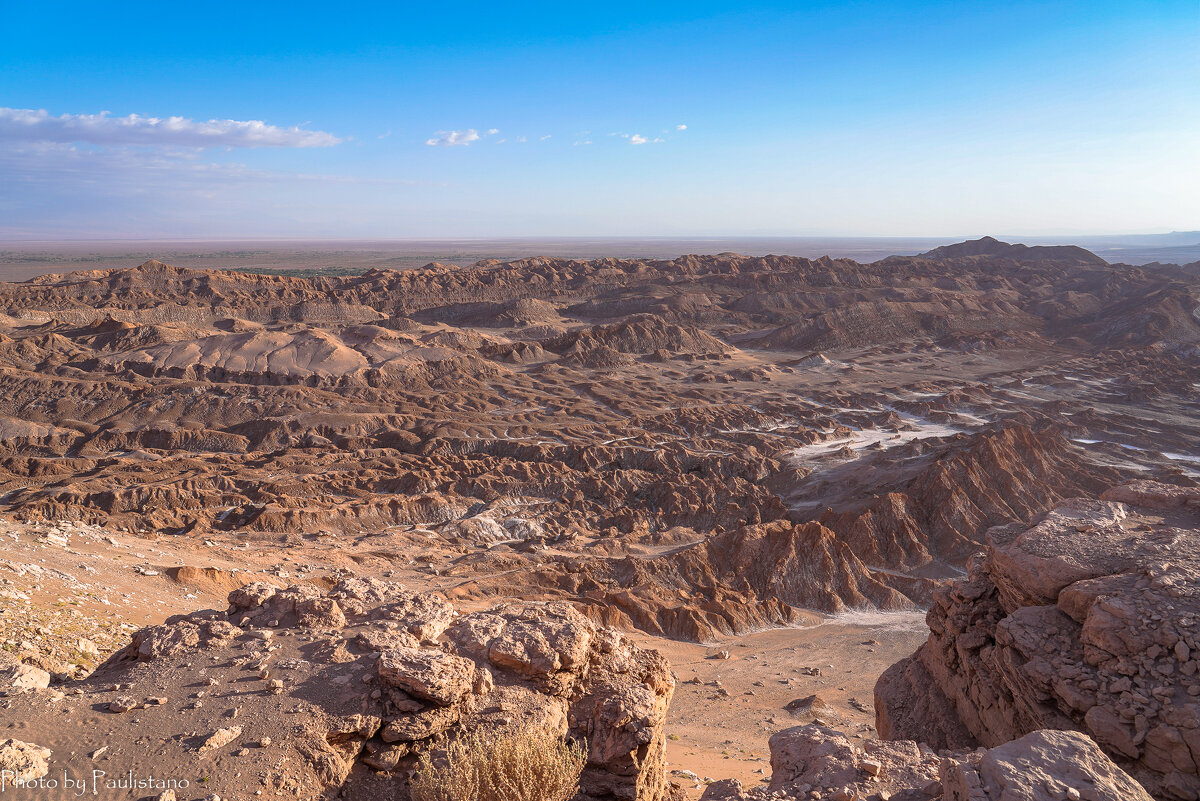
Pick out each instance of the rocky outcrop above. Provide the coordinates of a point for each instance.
(1087, 621)
(320, 694)
(640, 335)
(814, 763)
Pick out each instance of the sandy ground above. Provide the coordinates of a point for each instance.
(67, 584)
(725, 710)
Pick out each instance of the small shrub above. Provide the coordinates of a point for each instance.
(533, 765)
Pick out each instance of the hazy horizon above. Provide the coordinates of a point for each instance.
(1189, 237)
(23, 260)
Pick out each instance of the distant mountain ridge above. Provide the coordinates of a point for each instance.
(992, 247)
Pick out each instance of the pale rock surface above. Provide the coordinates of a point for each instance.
(817, 762)
(1042, 766)
(24, 677)
(428, 675)
(22, 762)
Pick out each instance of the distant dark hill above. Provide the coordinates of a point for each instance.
(991, 247)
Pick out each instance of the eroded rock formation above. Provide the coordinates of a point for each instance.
(1087, 621)
(658, 442)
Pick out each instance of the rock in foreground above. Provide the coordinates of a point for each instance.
(1087, 621)
(815, 763)
(319, 694)
(1043, 766)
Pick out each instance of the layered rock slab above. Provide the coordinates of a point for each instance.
(1088, 621)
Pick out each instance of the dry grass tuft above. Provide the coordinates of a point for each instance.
(534, 765)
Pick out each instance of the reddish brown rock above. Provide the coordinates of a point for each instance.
(1086, 621)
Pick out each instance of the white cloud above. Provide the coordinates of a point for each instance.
(544, 138)
(464, 138)
(522, 139)
(681, 127)
(29, 125)
(638, 139)
(452, 138)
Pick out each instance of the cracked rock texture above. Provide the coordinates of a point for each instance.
(321, 694)
(1088, 621)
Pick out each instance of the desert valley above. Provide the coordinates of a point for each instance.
(747, 527)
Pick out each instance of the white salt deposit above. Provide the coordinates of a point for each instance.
(916, 428)
(902, 620)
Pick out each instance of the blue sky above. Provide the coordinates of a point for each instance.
(464, 119)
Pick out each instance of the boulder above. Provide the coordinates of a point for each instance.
(22, 762)
(1042, 766)
(24, 677)
(816, 763)
(432, 675)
